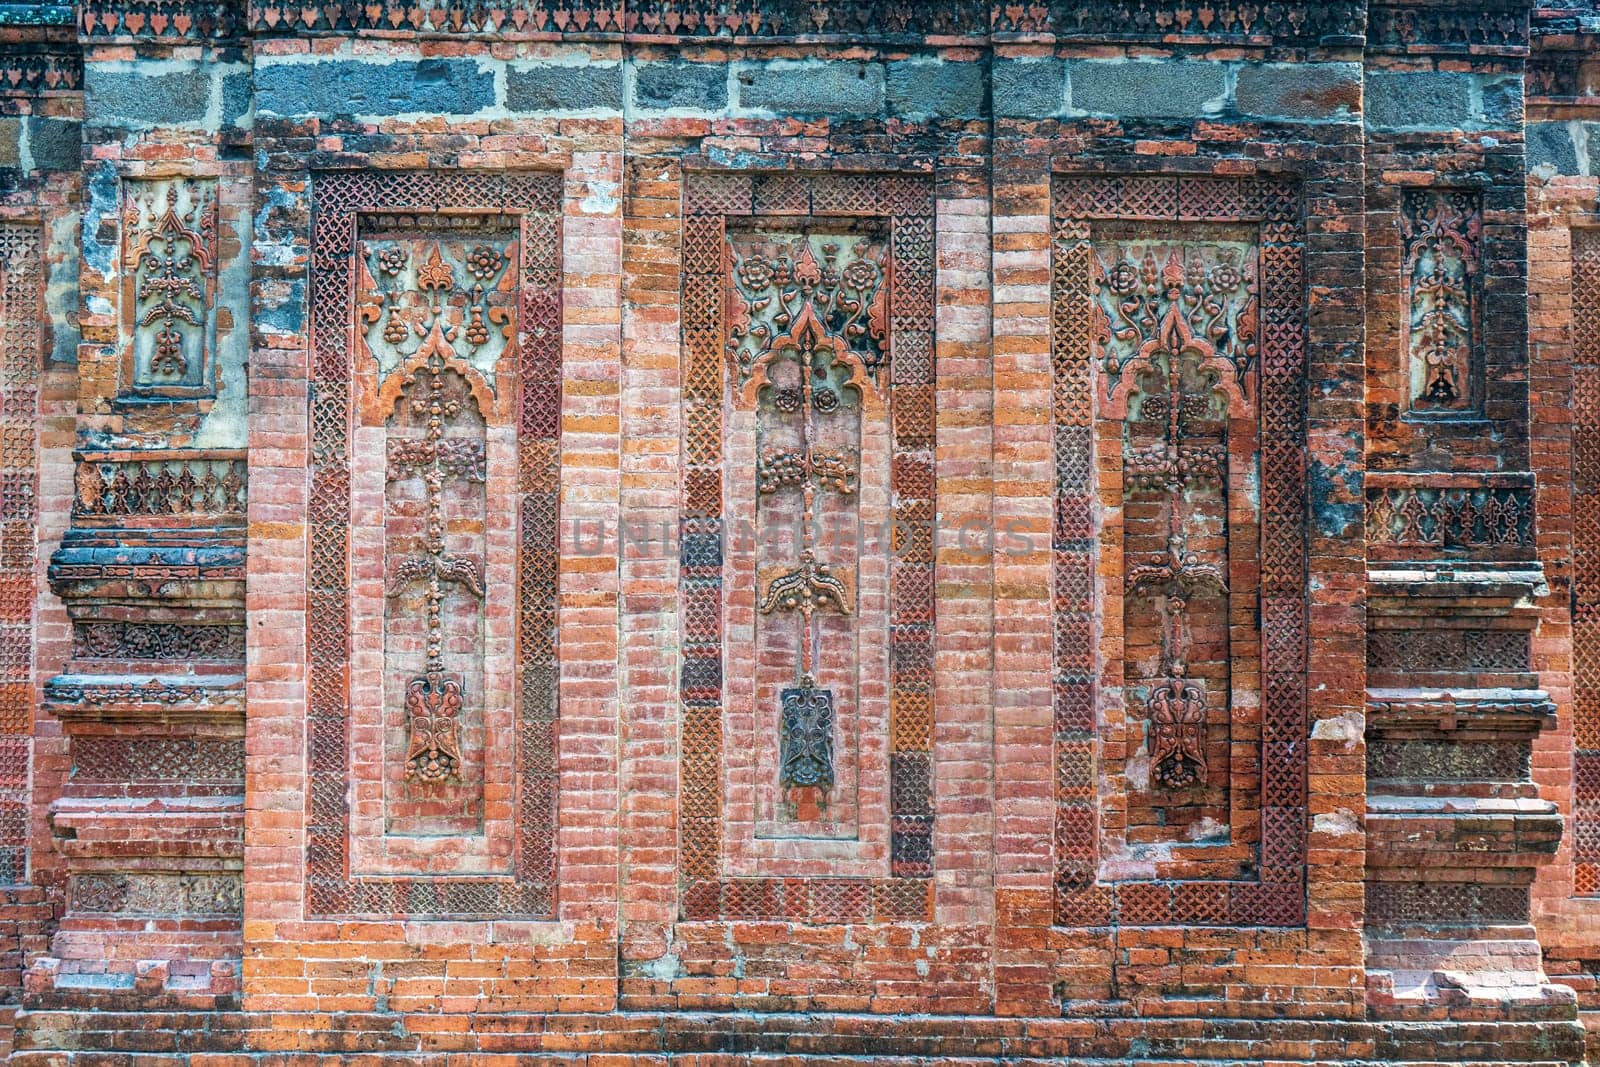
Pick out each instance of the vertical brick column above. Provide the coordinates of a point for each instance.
(519, 913)
(1452, 522)
(146, 809)
(39, 136)
(1098, 144)
(1562, 295)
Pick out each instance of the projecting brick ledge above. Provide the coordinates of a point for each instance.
(104, 1038)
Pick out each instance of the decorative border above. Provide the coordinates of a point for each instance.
(1585, 513)
(32, 68)
(178, 20)
(908, 205)
(1166, 20)
(21, 248)
(666, 18)
(338, 198)
(1278, 898)
(1483, 29)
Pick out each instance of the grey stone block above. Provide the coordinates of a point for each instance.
(833, 87)
(1501, 102)
(132, 98)
(675, 83)
(55, 144)
(236, 93)
(1147, 90)
(1551, 142)
(549, 87)
(351, 87)
(1591, 145)
(942, 87)
(1436, 99)
(10, 142)
(1029, 88)
(1298, 90)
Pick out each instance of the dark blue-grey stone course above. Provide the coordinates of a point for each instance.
(1298, 90)
(832, 87)
(1551, 142)
(946, 88)
(351, 87)
(131, 98)
(1146, 90)
(55, 144)
(1029, 88)
(564, 88)
(669, 84)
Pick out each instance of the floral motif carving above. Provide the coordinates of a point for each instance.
(1209, 516)
(436, 313)
(373, 233)
(461, 284)
(29, 68)
(1176, 337)
(869, 445)
(809, 338)
(170, 232)
(70, 691)
(1441, 230)
(157, 641)
(163, 19)
(128, 484)
(433, 699)
(1153, 301)
(837, 302)
(681, 18)
(1493, 519)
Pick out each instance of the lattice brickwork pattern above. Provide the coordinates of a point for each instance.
(339, 199)
(907, 204)
(1586, 560)
(1277, 897)
(19, 451)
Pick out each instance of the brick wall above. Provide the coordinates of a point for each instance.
(945, 530)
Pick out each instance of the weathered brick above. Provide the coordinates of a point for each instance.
(1006, 840)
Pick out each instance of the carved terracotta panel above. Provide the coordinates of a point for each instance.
(1179, 555)
(1441, 234)
(169, 252)
(808, 330)
(806, 570)
(439, 307)
(435, 421)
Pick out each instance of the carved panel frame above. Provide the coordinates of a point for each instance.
(1585, 513)
(21, 313)
(906, 204)
(528, 889)
(1083, 897)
